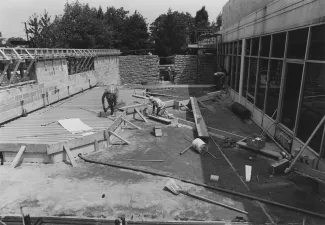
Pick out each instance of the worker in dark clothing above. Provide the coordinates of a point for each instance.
(111, 95)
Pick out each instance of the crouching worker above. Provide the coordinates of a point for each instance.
(111, 95)
(160, 105)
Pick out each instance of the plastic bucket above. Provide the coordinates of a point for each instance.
(199, 145)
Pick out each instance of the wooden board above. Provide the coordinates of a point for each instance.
(18, 156)
(69, 153)
(130, 109)
(202, 129)
(267, 152)
(307, 170)
(161, 119)
(81, 141)
(140, 114)
(140, 96)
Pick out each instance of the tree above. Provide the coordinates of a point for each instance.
(202, 18)
(170, 32)
(135, 34)
(11, 39)
(219, 21)
(1, 40)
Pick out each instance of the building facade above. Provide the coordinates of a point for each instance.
(275, 57)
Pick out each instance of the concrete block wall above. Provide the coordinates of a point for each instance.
(135, 69)
(192, 69)
(186, 69)
(206, 69)
(107, 70)
(52, 83)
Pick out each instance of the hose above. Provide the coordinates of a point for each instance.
(206, 186)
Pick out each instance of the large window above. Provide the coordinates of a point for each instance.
(291, 94)
(255, 46)
(317, 43)
(265, 46)
(279, 41)
(237, 77)
(274, 82)
(313, 105)
(261, 83)
(252, 80)
(245, 80)
(297, 43)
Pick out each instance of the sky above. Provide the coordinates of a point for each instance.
(14, 12)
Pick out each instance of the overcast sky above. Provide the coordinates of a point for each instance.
(14, 12)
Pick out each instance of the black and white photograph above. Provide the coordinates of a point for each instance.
(138, 112)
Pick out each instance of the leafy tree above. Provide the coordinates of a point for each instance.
(219, 21)
(9, 40)
(1, 40)
(170, 32)
(202, 18)
(135, 32)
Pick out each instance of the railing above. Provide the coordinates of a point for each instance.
(9, 54)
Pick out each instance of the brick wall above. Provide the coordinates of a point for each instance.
(206, 69)
(135, 69)
(185, 69)
(107, 70)
(52, 83)
(192, 69)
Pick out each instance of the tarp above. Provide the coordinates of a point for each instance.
(74, 125)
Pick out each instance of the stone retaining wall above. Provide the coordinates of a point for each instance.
(135, 69)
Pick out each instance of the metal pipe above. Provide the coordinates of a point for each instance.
(206, 186)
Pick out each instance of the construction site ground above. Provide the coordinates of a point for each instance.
(93, 190)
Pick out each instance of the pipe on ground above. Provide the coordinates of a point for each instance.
(207, 186)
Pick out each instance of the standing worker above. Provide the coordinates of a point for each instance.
(111, 94)
(156, 102)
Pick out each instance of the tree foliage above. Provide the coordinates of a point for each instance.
(82, 26)
(202, 18)
(170, 32)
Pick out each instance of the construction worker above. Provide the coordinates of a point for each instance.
(156, 102)
(111, 94)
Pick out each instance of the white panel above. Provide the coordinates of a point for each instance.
(269, 125)
(258, 116)
(250, 107)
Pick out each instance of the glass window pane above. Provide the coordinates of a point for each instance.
(291, 94)
(274, 87)
(255, 46)
(252, 80)
(261, 85)
(233, 73)
(297, 44)
(237, 77)
(279, 41)
(235, 48)
(248, 47)
(313, 105)
(317, 43)
(265, 45)
(246, 66)
(239, 47)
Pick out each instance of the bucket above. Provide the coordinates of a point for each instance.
(199, 145)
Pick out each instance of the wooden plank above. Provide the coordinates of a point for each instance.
(162, 119)
(140, 96)
(199, 121)
(267, 152)
(140, 114)
(118, 136)
(130, 109)
(18, 156)
(132, 124)
(69, 153)
(87, 140)
(158, 94)
(96, 146)
(106, 136)
(305, 169)
(30, 148)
